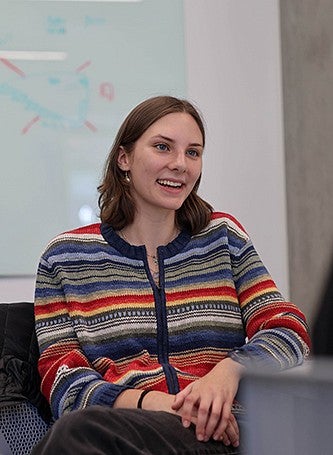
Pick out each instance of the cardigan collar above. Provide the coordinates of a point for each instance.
(139, 252)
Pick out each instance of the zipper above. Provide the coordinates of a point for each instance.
(163, 332)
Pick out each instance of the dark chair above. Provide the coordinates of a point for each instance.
(24, 413)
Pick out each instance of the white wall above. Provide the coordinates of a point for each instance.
(234, 76)
(19, 289)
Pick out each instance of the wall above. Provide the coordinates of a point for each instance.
(233, 74)
(307, 49)
(17, 289)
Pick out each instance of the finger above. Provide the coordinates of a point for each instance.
(231, 433)
(188, 410)
(233, 424)
(225, 439)
(180, 397)
(225, 419)
(213, 419)
(202, 420)
(226, 414)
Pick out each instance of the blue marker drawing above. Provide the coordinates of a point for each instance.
(57, 99)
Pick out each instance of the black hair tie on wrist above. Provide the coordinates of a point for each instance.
(141, 397)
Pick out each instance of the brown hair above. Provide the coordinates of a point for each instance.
(116, 204)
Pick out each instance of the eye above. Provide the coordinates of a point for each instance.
(193, 153)
(162, 147)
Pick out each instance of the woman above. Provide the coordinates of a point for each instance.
(161, 298)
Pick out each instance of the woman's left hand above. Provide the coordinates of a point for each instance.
(207, 402)
(231, 434)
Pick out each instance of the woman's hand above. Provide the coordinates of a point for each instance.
(160, 401)
(231, 434)
(207, 402)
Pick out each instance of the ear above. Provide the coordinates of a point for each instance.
(123, 159)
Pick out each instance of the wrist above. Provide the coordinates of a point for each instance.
(237, 366)
(141, 398)
(156, 400)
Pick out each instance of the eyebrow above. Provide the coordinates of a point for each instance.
(160, 136)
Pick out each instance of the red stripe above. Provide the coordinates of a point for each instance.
(91, 229)
(124, 300)
(227, 291)
(216, 215)
(258, 287)
(91, 305)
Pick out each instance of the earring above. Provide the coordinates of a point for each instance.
(127, 177)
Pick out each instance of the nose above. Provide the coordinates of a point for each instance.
(178, 163)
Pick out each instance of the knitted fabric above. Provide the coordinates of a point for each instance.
(103, 325)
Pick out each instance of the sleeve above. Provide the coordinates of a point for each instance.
(69, 381)
(276, 330)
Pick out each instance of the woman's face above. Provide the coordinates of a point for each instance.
(165, 163)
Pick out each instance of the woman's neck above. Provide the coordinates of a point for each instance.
(151, 233)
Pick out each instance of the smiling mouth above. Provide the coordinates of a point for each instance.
(169, 184)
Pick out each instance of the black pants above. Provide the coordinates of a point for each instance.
(100, 430)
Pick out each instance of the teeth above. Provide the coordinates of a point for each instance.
(168, 183)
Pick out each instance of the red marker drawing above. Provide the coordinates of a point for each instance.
(83, 66)
(12, 67)
(106, 90)
(90, 126)
(29, 125)
(72, 113)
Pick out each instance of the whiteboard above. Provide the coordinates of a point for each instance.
(69, 73)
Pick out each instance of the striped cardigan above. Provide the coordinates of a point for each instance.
(104, 326)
